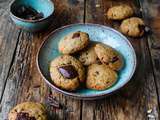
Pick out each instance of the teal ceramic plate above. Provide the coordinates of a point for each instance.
(49, 50)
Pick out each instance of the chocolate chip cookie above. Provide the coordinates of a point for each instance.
(119, 12)
(67, 72)
(109, 56)
(100, 77)
(88, 56)
(73, 42)
(133, 27)
(28, 111)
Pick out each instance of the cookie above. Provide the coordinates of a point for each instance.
(109, 56)
(133, 27)
(67, 72)
(73, 42)
(88, 56)
(28, 111)
(119, 12)
(100, 77)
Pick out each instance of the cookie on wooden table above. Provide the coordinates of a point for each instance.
(109, 56)
(73, 42)
(133, 27)
(67, 72)
(88, 56)
(100, 77)
(28, 111)
(119, 12)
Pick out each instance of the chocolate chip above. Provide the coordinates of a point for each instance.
(68, 71)
(107, 82)
(114, 59)
(76, 35)
(97, 72)
(82, 60)
(106, 63)
(86, 53)
(24, 116)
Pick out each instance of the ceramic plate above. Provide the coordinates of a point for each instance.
(49, 50)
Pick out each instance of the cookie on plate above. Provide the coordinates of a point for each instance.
(67, 72)
(119, 12)
(100, 77)
(73, 42)
(28, 111)
(109, 56)
(88, 56)
(133, 27)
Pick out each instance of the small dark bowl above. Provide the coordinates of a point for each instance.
(46, 7)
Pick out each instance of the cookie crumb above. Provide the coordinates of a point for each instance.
(98, 5)
(149, 111)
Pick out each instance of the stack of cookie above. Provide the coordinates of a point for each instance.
(83, 63)
(130, 26)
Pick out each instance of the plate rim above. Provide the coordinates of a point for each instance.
(79, 96)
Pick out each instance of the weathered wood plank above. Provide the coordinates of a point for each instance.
(136, 98)
(24, 82)
(8, 40)
(151, 13)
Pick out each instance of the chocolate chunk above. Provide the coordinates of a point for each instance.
(141, 27)
(114, 59)
(24, 116)
(76, 35)
(68, 71)
(27, 12)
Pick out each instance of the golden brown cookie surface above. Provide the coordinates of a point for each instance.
(100, 77)
(109, 56)
(73, 42)
(28, 111)
(88, 56)
(119, 12)
(133, 27)
(67, 72)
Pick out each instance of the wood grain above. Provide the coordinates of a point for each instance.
(139, 96)
(8, 41)
(151, 15)
(24, 82)
(20, 80)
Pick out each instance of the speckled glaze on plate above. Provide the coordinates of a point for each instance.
(100, 33)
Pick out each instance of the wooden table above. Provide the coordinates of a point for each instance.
(20, 80)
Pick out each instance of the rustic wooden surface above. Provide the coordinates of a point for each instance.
(20, 80)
